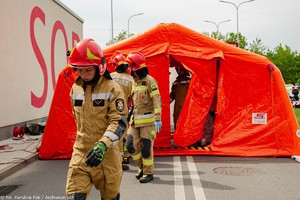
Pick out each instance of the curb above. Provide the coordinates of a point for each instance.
(14, 167)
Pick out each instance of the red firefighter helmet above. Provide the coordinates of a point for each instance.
(136, 61)
(119, 60)
(87, 53)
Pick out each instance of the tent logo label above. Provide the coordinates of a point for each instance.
(259, 118)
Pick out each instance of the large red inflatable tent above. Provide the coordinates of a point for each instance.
(244, 92)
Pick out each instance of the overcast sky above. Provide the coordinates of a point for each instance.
(274, 21)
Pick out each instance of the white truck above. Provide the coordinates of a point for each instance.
(35, 36)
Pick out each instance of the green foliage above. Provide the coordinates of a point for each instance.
(232, 37)
(229, 37)
(122, 36)
(257, 47)
(287, 61)
(217, 35)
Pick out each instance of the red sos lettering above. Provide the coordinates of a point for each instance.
(38, 14)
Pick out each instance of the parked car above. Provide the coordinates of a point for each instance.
(293, 92)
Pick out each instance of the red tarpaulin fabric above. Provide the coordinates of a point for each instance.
(60, 131)
(253, 114)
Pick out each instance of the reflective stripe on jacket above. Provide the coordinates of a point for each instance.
(100, 112)
(146, 101)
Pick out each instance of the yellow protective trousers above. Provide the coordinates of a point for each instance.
(138, 134)
(106, 177)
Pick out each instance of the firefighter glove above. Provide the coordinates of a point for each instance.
(95, 155)
(157, 125)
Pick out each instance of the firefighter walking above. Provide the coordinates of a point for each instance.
(145, 119)
(125, 80)
(99, 108)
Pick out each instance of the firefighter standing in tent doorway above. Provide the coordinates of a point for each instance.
(125, 80)
(145, 119)
(179, 88)
(99, 108)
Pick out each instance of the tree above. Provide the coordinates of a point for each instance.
(258, 47)
(229, 37)
(118, 38)
(287, 61)
(218, 36)
(232, 37)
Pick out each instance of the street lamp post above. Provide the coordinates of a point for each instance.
(129, 21)
(217, 24)
(237, 14)
(112, 21)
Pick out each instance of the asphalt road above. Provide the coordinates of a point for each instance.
(176, 178)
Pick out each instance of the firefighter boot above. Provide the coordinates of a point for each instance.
(126, 156)
(139, 174)
(146, 178)
(125, 167)
(125, 160)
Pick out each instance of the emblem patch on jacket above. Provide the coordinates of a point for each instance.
(98, 102)
(154, 87)
(120, 105)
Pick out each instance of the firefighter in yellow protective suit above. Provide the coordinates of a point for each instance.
(145, 119)
(99, 108)
(125, 80)
(179, 88)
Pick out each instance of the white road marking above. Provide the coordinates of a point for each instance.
(197, 186)
(178, 179)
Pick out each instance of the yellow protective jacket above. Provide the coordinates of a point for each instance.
(100, 113)
(146, 102)
(125, 81)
